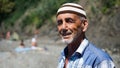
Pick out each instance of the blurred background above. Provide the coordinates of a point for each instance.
(25, 17)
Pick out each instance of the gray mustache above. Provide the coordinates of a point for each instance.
(65, 32)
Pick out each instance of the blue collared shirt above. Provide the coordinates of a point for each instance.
(87, 56)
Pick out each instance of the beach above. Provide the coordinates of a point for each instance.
(46, 57)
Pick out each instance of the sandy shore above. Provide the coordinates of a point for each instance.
(46, 58)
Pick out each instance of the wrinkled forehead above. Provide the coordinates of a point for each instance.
(67, 15)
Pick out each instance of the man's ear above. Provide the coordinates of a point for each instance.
(85, 25)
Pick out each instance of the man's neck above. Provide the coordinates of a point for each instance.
(72, 47)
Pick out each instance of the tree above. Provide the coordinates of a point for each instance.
(6, 7)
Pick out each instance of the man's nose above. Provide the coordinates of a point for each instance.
(63, 31)
(64, 25)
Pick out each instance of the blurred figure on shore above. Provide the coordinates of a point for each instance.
(2, 35)
(34, 39)
(34, 43)
(8, 35)
(15, 36)
(21, 47)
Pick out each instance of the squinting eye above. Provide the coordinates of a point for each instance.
(69, 20)
(59, 22)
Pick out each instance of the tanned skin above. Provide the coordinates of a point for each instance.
(72, 30)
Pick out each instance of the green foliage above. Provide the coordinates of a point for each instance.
(109, 5)
(20, 7)
(45, 10)
(38, 11)
(24, 4)
(6, 7)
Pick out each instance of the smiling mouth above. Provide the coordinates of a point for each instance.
(66, 34)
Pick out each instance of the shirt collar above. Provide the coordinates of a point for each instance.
(80, 49)
(82, 46)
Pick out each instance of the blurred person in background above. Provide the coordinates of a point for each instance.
(2, 35)
(15, 36)
(21, 47)
(8, 34)
(34, 43)
(34, 39)
(80, 52)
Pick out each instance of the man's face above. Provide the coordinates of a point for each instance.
(69, 26)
